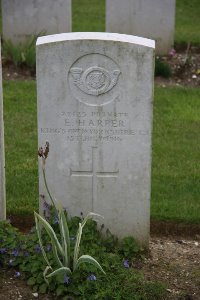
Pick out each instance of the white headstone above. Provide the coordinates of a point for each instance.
(23, 18)
(2, 160)
(154, 19)
(95, 110)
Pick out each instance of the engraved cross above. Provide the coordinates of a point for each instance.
(94, 173)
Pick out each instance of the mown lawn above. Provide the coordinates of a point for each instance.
(88, 15)
(176, 151)
(176, 155)
(20, 125)
(187, 28)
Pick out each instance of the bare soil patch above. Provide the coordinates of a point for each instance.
(12, 288)
(175, 262)
(185, 68)
(23, 223)
(12, 72)
(174, 229)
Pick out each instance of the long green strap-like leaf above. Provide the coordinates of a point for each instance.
(45, 272)
(61, 270)
(88, 259)
(63, 241)
(59, 208)
(40, 239)
(56, 257)
(78, 237)
(51, 233)
(90, 215)
(77, 245)
(65, 235)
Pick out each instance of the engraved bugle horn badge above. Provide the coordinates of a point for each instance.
(94, 80)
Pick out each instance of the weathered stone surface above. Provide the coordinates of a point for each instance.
(95, 110)
(24, 18)
(2, 159)
(154, 19)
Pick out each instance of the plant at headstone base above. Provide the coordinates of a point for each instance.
(129, 247)
(110, 241)
(21, 54)
(11, 52)
(162, 68)
(61, 248)
(9, 240)
(22, 255)
(188, 57)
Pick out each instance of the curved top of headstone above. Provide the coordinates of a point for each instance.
(106, 36)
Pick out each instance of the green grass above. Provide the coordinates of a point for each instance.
(88, 15)
(20, 146)
(176, 153)
(187, 21)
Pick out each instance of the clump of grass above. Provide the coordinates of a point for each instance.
(162, 68)
(22, 54)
